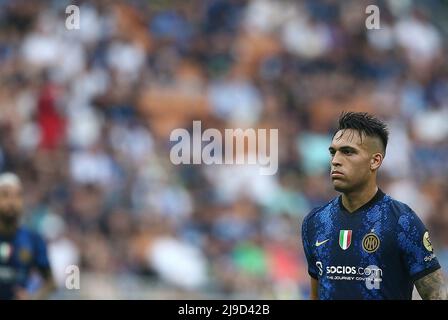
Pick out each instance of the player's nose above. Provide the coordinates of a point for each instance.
(335, 160)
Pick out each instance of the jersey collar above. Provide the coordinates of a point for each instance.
(379, 195)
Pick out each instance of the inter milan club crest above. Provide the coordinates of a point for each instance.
(25, 255)
(345, 239)
(370, 242)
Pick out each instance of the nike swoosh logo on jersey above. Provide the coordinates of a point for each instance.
(320, 243)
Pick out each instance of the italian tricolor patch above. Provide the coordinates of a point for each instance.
(345, 239)
(5, 251)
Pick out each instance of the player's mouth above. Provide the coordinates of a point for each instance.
(336, 174)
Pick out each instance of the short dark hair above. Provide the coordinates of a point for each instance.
(366, 123)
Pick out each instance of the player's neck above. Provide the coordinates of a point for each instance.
(352, 201)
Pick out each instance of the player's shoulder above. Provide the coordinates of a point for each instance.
(399, 210)
(28, 233)
(317, 212)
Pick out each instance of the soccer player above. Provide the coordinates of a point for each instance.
(21, 251)
(365, 244)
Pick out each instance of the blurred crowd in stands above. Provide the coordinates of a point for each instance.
(86, 116)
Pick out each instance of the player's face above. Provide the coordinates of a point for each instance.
(350, 161)
(11, 204)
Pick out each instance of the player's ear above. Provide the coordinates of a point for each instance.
(375, 161)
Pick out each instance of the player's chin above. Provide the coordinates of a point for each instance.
(340, 185)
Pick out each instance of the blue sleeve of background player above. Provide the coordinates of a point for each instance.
(41, 257)
(312, 269)
(415, 245)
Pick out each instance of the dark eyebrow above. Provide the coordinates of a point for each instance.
(343, 148)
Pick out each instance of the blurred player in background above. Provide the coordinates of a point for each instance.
(364, 244)
(22, 252)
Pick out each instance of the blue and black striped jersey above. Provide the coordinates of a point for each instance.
(376, 252)
(19, 255)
